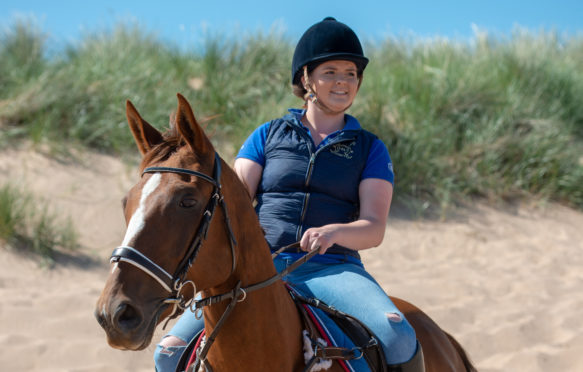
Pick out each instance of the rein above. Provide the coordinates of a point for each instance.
(199, 304)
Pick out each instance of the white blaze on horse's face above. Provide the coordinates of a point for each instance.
(138, 221)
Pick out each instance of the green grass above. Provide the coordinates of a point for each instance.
(494, 117)
(26, 224)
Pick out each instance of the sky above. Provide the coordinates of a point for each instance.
(185, 22)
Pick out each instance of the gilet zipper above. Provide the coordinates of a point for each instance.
(309, 178)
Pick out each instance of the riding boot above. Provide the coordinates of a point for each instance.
(415, 364)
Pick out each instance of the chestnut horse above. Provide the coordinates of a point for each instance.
(182, 188)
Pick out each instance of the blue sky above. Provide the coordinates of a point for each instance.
(184, 22)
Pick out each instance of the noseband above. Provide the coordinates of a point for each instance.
(175, 283)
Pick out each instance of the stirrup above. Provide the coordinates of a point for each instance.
(415, 364)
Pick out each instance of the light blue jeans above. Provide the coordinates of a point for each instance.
(346, 286)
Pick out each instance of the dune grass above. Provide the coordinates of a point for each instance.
(29, 225)
(496, 117)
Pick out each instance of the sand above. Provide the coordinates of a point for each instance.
(506, 282)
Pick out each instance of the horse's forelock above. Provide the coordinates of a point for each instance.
(171, 144)
(161, 151)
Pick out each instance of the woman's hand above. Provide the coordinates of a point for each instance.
(366, 232)
(320, 238)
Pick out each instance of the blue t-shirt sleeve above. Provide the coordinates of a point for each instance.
(254, 147)
(379, 164)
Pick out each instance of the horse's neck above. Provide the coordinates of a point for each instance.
(266, 323)
(254, 263)
(262, 333)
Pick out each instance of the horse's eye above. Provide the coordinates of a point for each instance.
(188, 203)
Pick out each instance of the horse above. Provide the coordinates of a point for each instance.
(178, 221)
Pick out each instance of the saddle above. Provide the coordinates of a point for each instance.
(356, 349)
(339, 336)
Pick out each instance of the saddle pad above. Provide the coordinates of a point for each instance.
(334, 336)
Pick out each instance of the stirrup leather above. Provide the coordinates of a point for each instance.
(415, 364)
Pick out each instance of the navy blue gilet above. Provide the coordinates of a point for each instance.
(304, 187)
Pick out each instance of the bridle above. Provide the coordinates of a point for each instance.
(175, 283)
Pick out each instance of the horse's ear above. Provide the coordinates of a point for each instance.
(189, 128)
(146, 135)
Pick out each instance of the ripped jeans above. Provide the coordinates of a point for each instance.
(347, 286)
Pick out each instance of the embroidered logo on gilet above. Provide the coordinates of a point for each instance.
(343, 150)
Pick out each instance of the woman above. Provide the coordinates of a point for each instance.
(320, 179)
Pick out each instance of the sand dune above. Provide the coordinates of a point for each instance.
(505, 282)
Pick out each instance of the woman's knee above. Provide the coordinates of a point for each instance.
(402, 341)
(170, 341)
(171, 347)
(168, 353)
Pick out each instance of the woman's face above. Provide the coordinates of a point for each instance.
(335, 83)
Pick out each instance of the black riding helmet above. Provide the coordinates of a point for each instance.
(325, 41)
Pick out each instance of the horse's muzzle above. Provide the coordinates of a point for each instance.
(124, 326)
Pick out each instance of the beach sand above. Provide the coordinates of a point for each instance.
(506, 282)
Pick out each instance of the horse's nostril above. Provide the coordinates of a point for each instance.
(127, 317)
(100, 318)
